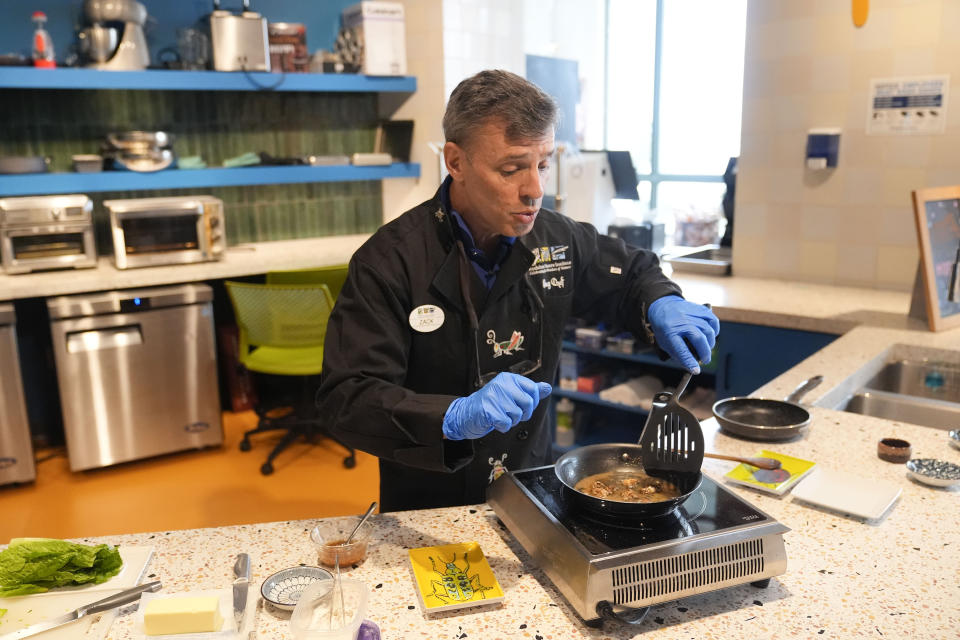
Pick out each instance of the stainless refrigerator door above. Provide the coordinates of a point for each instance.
(134, 385)
(16, 451)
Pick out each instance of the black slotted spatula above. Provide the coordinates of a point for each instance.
(672, 439)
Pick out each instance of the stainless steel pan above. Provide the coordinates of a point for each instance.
(763, 418)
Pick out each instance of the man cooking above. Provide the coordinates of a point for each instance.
(447, 333)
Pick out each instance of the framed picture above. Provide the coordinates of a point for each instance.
(937, 214)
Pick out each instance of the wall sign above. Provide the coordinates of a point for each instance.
(908, 106)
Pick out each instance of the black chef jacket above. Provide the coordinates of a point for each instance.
(386, 385)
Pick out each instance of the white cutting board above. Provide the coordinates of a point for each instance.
(23, 611)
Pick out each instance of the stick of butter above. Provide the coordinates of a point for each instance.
(186, 614)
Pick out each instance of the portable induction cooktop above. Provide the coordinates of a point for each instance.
(615, 567)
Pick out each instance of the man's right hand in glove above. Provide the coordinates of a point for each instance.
(500, 404)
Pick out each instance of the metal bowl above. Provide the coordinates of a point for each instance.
(937, 473)
(137, 141)
(146, 162)
(284, 588)
(955, 438)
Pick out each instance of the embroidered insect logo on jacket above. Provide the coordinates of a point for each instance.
(456, 584)
(507, 347)
(498, 467)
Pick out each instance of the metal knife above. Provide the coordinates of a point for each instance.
(241, 569)
(114, 601)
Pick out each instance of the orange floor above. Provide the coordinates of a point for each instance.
(208, 488)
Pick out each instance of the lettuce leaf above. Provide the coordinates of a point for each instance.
(35, 565)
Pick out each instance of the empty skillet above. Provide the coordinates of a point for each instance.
(763, 418)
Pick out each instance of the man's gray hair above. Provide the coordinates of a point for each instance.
(526, 112)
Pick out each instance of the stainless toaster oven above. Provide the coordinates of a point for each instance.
(46, 232)
(156, 231)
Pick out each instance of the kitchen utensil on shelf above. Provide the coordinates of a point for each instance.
(239, 40)
(24, 164)
(131, 53)
(936, 473)
(118, 600)
(241, 569)
(98, 42)
(764, 418)
(671, 438)
(284, 588)
(760, 463)
(954, 437)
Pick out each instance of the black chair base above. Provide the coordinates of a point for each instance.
(296, 425)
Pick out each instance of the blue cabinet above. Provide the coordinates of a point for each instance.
(749, 355)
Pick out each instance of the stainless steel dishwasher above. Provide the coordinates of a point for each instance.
(16, 452)
(137, 373)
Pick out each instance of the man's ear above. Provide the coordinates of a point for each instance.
(454, 157)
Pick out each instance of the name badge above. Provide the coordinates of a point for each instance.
(426, 318)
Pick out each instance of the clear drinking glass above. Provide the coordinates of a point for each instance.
(193, 47)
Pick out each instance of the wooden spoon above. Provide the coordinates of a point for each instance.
(760, 463)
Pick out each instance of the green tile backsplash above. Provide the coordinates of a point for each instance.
(215, 125)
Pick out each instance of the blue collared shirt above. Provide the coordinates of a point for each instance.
(484, 264)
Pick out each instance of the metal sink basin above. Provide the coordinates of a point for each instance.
(918, 392)
(921, 379)
(709, 259)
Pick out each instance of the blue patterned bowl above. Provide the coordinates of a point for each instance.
(283, 589)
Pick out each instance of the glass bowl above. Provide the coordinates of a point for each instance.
(328, 538)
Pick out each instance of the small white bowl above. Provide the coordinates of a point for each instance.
(284, 588)
(937, 473)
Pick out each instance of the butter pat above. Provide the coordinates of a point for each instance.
(187, 614)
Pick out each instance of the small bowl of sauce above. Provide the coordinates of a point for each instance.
(329, 536)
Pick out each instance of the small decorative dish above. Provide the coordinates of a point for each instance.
(955, 438)
(284, 588)
(894, 450)
(937, 473)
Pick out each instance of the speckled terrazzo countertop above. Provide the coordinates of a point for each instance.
(897, 577)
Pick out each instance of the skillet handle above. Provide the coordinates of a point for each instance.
(628, 616)
(804, 388)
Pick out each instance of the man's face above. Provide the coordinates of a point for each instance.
(498, 183)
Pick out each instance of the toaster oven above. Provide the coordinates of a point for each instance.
(156, 231)
(38, 233)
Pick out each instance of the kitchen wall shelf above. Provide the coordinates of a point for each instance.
(593, 398)
(51, 183)
(646, 357)
(240, 260)
(32, 78)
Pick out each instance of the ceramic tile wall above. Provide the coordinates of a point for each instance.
(807, 66)
(215, 125)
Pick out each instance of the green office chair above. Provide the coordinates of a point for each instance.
(333, 277)
(282, 327)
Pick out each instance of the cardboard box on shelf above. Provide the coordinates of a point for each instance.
(374, 30)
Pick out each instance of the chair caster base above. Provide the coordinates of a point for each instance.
(266, 468)
(244, 445)
(350, 462)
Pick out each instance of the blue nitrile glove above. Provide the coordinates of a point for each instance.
(500, 404)
(677, 323)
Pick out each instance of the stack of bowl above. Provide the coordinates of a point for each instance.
(139, 150)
